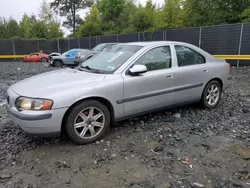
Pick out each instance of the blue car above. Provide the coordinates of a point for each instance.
(67, 58)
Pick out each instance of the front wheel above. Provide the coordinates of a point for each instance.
(211, 95)
(87, 122)
(58, 63)
(43, 59)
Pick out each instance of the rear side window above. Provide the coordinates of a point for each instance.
(187, 56)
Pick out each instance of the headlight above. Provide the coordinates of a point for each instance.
(23, 103)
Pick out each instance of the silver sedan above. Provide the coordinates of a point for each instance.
(129, 80)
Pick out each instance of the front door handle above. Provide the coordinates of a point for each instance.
(169, 76)
(205, 70)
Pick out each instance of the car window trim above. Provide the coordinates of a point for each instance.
(126, 70)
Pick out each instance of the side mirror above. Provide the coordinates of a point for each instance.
(137, 69)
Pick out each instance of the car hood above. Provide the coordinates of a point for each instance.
(59, 57)
(47, 84)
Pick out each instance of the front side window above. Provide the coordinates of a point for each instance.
(187, 56)
(109, 61)
(108, 47)
(156, 59)
(99, 47)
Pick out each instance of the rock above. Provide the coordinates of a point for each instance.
(60, 164)
(97, 143)
(77, 181)
(237, 184)
(165, 185)
(244, 152)
(177, 137)
(30, 185)
(5, 176)
(205, 144)
(156, 146)
(177, 115)
(65, 176)
(108, 143)
(198, 185)
(245, 110)
(136, 186)
(158, 149)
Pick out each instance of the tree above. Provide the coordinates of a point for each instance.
(141, 20)
(245, 15)
(3, 24)
(45, 12)
(38, 30)
(115, 15)
(54, 31)
(12, 29)
(47, 16)
(69, 9)
(25, 26)
(213, 12)
(92, 26)
(173, 13)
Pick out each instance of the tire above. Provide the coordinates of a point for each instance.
(58, 63)
(43, 59)
(211, 100)
(80, 115)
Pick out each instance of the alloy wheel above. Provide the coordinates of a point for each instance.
(213, 95)
(89, 123)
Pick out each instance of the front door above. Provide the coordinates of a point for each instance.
(150, 90)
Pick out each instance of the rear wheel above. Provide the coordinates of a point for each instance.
(211, 95)
(58, 63)
(87, 122)
(43, 59)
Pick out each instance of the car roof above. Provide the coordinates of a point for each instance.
(147, 43)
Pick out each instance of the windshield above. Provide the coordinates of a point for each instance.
(109, 61)
(99, 47)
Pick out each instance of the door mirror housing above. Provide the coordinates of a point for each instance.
(137, 69)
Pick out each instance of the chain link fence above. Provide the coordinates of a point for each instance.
(233, 39)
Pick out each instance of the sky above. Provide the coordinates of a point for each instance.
(16, 8)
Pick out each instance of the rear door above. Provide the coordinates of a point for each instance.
(150, 90)
(191, 74)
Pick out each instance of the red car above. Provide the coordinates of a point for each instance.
(36, 57)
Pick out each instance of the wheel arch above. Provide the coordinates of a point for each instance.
(213, 79)
(216, 79)
(103, 100)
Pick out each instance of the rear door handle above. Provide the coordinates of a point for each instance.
(205, 70)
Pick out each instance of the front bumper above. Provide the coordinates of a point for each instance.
(35, 122)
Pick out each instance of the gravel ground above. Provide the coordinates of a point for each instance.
(181, 147)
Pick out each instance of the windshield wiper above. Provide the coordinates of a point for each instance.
(90, 69)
